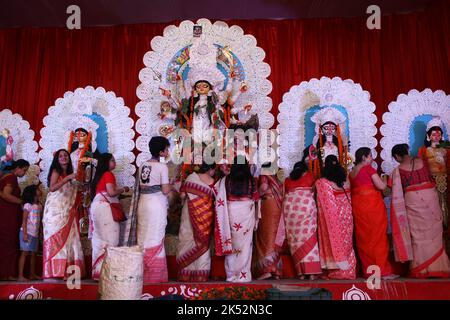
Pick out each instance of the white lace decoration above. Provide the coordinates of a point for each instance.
(402, 112)
(67, 114)
(324, 92)
(24, 146)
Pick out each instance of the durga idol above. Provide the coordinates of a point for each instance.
(437, 157)
(328, 140)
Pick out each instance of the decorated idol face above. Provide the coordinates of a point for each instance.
(329, 129)
(435, 136)
(202, 87)
(81, 136)
(165, 107)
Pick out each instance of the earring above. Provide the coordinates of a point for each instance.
(428, 138)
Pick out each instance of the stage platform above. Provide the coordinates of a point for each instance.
(398, 289)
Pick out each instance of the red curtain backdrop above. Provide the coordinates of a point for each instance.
(411, 51)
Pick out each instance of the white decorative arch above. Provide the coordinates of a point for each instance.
(402, 112)
(157, 63)
(70, 112)
(324, 92)
(24, 146)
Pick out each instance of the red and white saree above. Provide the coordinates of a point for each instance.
(271, 232)
(417, 228)
(62, 245)
(335, 231)
(300, 214)
(151, 230)
(197, 218)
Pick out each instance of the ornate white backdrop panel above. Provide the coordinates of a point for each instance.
(93, 109)
(166, 47)
(344, 94)
(24, 146)
(404, 112)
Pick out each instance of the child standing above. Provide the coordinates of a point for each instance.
(29, 232)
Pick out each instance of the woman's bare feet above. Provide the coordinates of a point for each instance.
(11, 279)
(301, 277)
(390, 277)
(313, 277)
(22, 279)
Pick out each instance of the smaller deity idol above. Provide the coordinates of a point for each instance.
(166, 111)
(168, 115)
(437, 158)
(9, 155)
(7, 159)
(80, 149)
(328, 140)
(241, 115)
(83, 162)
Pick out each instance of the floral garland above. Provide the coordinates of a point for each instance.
(341, 157)
(69, 147)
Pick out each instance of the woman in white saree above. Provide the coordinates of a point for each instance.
(237, 208)
(62, 245)
(104, 192)
(147, 221)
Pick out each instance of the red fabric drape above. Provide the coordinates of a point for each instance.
(411, 51)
